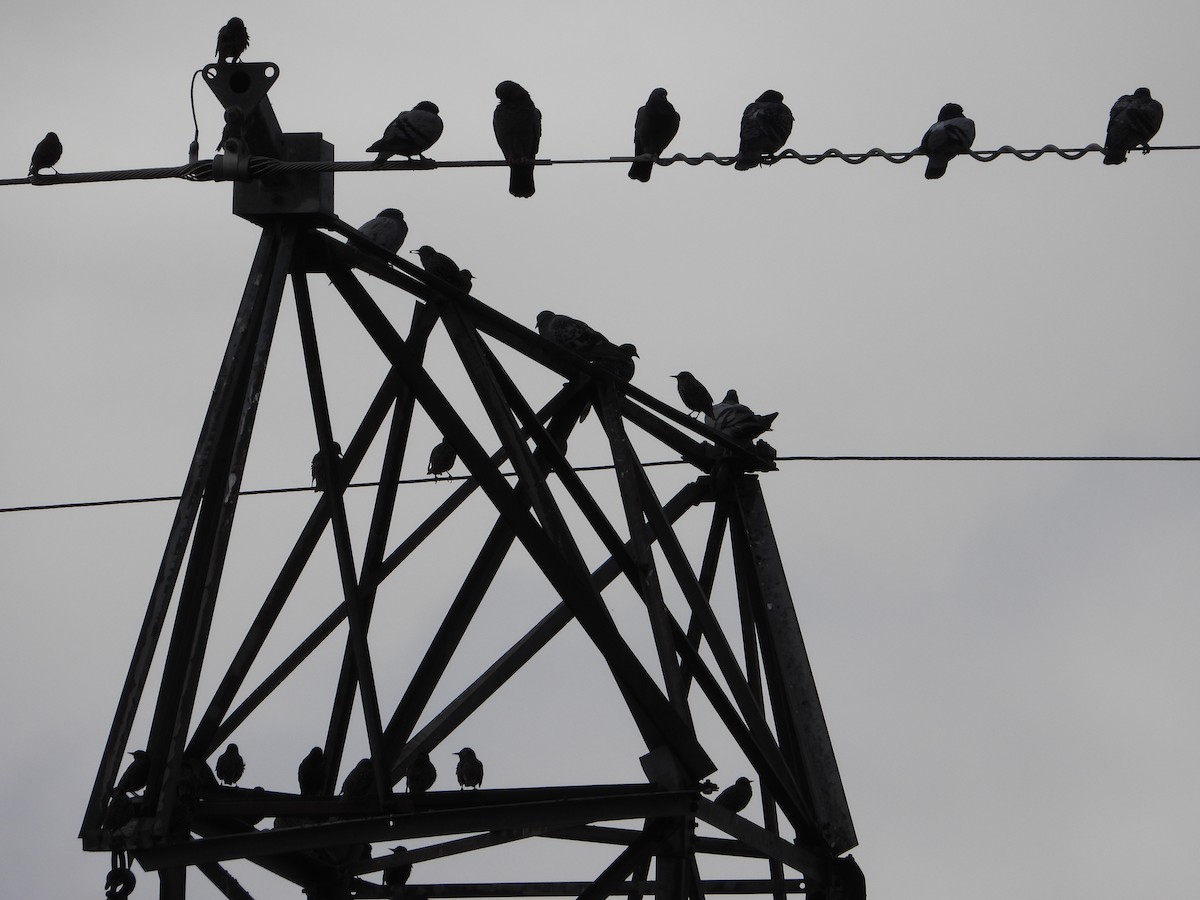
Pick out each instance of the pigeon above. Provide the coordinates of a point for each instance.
(569, 333)
(360, 780)
(441, 266)
(410, 134)
(397, 875)
(469, 769)
(421, 774)
(387, 230)
(134, 778)
(518, 126)
(951, 134)
(654, 128)
(311, 773)
(46, 154)
(230, 765)
(1132, 121)
(737, 796)
(232, 40)
(616, 359)
(318, 467)
(695, 396)
(738, 421)
(766, 124)
(441, 460)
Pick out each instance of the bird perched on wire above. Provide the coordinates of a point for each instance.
(318, 468)
(410, 134)
(441, 460)
(573, 334)
(360, 780)
(46, 154)
(387, 230)
(469, 769)
(518, 126)
(655, 127)
(441, 266)
(134, 778)
(421, 774)
(739, 421)
(1132, 121)
(737, 796)
(695, 396)
(230, 765)
(232, 40)
(311, 773)
(953, 133)
(766, 125)
(396, 876)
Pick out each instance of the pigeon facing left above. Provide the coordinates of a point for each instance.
(387, 230)
(953, 133)
(655, 127)
(232, 40)
(46, 154)
(737, 796)
(410, 134)
(766, 125)
(518, 126)
(230, 765)
(1132, 121)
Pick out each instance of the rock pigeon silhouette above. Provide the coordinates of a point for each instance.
(410, 134)
(441, 460)
(766, 125)
(421, 774)
(441, 266)
(695, 396)
(518, 126)
(469, 769)
(46, 154)
(311, 773)
(360, 780)
(655, 127)
(573, 334)
(387, 230)
(737, 796)
(318, 468)
(953, 133)
(230, 765)
(1132, 121)
(232, 40)
(616, 359)
(738, 421)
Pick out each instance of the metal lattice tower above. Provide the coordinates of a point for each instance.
(757, 682)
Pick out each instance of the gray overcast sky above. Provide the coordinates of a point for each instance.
(1004, 651)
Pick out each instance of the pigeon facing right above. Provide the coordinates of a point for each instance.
(387, 230)
(737, 796)
(1132, 121)
(232, 40)
(441, 266)
(695, 396)
(953, 133)
(766, 125)
(46, 154)
(655, 127)
(410, 134)
(518, 126)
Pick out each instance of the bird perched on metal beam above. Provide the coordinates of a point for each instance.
(134, 778)
(518, 126)
(46, 154)
(230, 765)
(573, 334)
(232, 40)
(421, 774)
(953, 133)
(1132, 121)
(410, 134)
(655, 127)
(387, 230)
(360, 780)
(396, 876)
(766, 125)
(311, 773)
(469, 769)
(739, 421)
(441, 266)
(695, 396)
(737, 796)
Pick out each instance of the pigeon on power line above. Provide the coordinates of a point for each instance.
(232, 40)
(695, 396)
(737, 796)
(387, 230)
(360, 780)
(441, 459)
(311, 773)
(518, 126)
(410, 134)
(572, 334)
(421, 774)
(1132, 121)
(469, 769)
(766, 125)
(136, 774)
(441, 266)
(953, 133)
(655, 127)
(230, 765)
(318, 468)
(396, 876)
(46, 154)
(739, 421)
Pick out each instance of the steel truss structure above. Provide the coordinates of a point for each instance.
(757, 682)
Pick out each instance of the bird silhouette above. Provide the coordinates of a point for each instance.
(469, 769)
(655, 127)
(695, 396)
(953, 133)
(46, 154)
(518, 126)
(421, 774)
(397, 876)
(232, 40)
(410, 134)
(318, 468)
(230, 765)
(441, 266)
(739, 421)
(766, 125)
(134, 778)
(360, 780)
(573, 334)
(387, 230)
(1132, 121)
(737, 796)
(616, 359)
(311, 773)
(441, 459)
